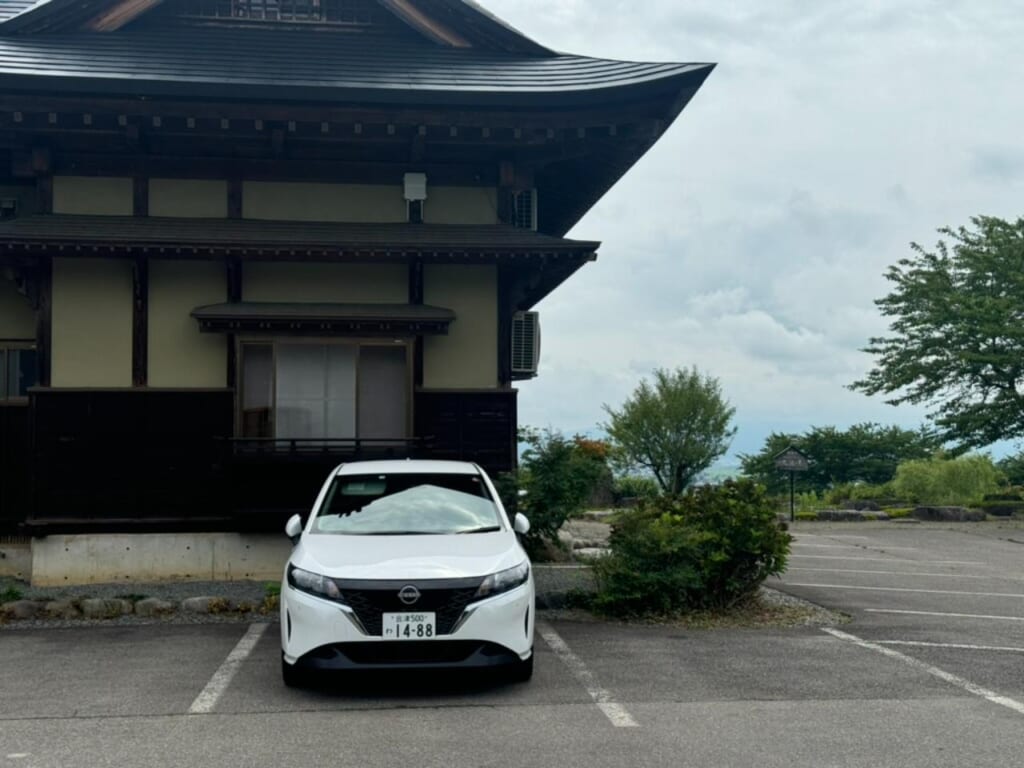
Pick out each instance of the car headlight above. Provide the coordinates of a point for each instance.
(313, 583)
(503, 581)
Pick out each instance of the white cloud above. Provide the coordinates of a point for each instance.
(752, 239)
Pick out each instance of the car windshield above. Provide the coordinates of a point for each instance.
(407, 504)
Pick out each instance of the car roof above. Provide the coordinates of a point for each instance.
(408, 466)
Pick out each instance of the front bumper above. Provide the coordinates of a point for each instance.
(321, 634)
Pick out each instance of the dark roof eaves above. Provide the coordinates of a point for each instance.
(26, 20)
(592, 94)
(275, 236)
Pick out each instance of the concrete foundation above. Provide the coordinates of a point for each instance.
(104, 558)
(15, 559)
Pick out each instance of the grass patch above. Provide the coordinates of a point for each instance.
(10, 594)
(131, 597)
(755, 613)
(895, 513)
(272, 589)
(219, 605)
(271, 603)
(806, 515)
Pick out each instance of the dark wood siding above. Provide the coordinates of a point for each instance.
(114, 458)
(475, 426)
(161, 460)
(15, 467)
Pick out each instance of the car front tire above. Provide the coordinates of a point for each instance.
(522, 671)
(292, 676)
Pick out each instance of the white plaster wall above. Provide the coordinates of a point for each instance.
(94, 196)
(91, 323)
(179, 355)
(346, 283)
(17, 318)
(190, 198)
(467, 358)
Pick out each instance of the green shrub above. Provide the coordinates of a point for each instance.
(1005, 496)
(857, 492)
(895, 513)
(558, 474)
(962, 481)
(1001, 508)
(806, 515)
(635, 487)
(807, 503)
(711, 548)
(10, 595)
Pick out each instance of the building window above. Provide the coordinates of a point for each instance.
(344, 13)
(18, 371)
(296, 390)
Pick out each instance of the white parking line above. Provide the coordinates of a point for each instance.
(896, 573)
(967, 685)
(616, 713)
(958, 646)
(949, 615)
(825, 546)
(889, 560)
(905, 589)
(210, 695)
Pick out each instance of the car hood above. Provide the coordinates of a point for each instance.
(408, 557)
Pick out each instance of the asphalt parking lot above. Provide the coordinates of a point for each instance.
(929, 672)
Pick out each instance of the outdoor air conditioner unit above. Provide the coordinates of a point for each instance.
(524, 209)
(525, 344)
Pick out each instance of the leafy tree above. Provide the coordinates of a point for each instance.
(557, 474)
(957, 342)
(962, 480)
(1012, 468)
(864, 453)
(674, 427)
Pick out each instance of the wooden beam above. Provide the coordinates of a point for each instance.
(140, 196)
(234, 198)
(116, 17)
(505, 310)
(140, 321)
(44, 318)
(44, 194)
(416, 297)
(233, 274)
(426, 26)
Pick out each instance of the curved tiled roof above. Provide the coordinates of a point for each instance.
(305, 64)
(9, 8)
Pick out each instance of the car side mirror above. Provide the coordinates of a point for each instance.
(521, 525)
(293, 528)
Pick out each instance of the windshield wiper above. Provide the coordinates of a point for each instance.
(484, 529)
(399, 533)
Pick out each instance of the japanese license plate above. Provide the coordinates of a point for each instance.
(409, 626)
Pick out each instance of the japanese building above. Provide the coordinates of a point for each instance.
(245, 240)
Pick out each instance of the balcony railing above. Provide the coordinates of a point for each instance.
(318, 448)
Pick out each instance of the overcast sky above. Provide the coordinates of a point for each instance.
(752, 239)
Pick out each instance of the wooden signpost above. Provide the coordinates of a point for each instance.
(792, 460)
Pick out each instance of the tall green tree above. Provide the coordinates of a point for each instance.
(1012, 468)
(864, 453)
(674, 426)
(957, 333)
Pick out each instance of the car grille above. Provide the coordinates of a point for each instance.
(447, 598)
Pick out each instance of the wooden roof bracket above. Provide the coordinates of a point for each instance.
(431, 28)
(116, 16)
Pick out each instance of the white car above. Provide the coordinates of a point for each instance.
(407, 564)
